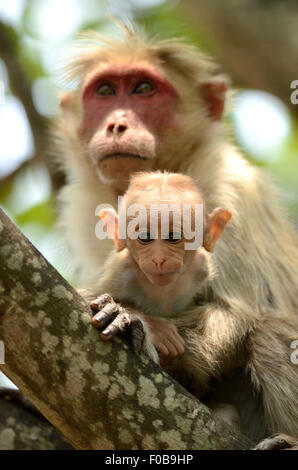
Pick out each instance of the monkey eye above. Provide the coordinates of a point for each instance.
(143, 88)
(105, 90)
(145, 237)
(174, 237)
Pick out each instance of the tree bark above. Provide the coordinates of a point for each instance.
(98, 395)
(21, 430)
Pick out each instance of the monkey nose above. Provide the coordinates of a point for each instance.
(116, 128)
(159, 262)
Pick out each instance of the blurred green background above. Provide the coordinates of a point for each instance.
(255, 41)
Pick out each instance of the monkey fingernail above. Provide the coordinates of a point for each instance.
(94, 306)
(108, 333)
(97, 321)
(105, 336)
(105, 316)
(100, 302)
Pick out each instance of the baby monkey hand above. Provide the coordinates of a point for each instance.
(165, 337)
(115, 320)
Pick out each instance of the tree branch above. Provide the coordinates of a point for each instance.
(21, 430)
(98, 395)
(21, 87)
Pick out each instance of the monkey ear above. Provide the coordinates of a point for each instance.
(110, 219)
(67, 102)
(213, 93)
(217, 221)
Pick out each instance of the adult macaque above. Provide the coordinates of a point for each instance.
(143, 105)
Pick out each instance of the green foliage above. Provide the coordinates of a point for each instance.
(42, 213)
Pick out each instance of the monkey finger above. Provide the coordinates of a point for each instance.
(178, 343)
(100, 302)
(106, 315)
(162, 349)
(136, 333)
(173, 352)
(119, 325)
(178, 349)
(173, 331)
(164, 354)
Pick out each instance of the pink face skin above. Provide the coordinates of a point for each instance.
(161, 261)
(128, 112)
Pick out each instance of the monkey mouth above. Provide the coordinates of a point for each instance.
(119, 156)
(162, 275)
(162, 279)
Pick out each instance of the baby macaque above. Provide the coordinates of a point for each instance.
(162, 268)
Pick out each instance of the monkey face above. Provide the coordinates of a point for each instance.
(159, 261)
(128, 118)
(162, 261)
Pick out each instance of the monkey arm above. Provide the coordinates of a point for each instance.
(215, 342)
(214, 336)
(114, 319)
(165, 337)
(145, 332)
(159, 334)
